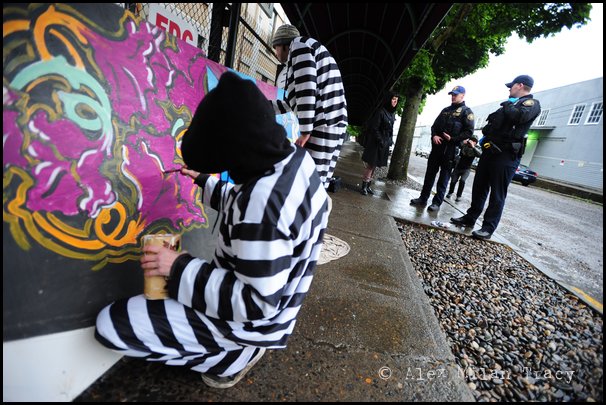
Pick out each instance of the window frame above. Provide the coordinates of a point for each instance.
(542, 120)
(572, 114)
(591, 111)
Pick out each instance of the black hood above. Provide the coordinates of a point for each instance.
(234, 129)
(387, 102)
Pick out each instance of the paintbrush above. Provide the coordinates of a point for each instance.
(171, 171)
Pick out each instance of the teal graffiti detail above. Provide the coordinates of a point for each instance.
(76, 78)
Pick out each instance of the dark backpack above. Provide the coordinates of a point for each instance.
(334, 184)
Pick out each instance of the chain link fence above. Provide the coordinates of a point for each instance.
(209, 25)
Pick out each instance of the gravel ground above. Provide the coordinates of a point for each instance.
(562, 233)
(516, 334)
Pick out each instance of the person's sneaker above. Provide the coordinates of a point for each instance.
(462, 221)
(448, 195)
(457, 199)
(418, 201)
(433, 207)
(481, 234)
(227, 382)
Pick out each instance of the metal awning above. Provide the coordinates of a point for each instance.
(373, 43)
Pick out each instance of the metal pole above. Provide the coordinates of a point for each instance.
(232, 37)
(216, 32)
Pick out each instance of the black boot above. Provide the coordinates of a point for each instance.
(364, 188)
(369, 189)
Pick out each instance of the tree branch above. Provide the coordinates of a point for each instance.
(459, 19)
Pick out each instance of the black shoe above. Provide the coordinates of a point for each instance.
(457, 199)
(462, 221)
(418, 201)
(433, 207)
(481, 234)
(448, 195)
(364, 190)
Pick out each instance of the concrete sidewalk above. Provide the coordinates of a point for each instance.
(366, 332)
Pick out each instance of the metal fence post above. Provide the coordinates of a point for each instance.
(216, 32)
(232, 36)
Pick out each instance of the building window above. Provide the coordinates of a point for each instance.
(577, 112)
(542, 118)
(268, 8)
(243, 68)
(596, 113)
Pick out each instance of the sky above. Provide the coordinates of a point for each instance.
(571, 56)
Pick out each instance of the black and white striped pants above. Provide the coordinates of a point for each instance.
(170, 332)
(324, 146)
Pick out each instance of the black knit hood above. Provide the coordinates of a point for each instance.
(234, 129)
(387, 103)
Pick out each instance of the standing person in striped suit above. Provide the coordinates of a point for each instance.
(315, 94)
(224, 312)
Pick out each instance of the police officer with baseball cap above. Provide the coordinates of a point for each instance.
(454, 124)
(502, 149)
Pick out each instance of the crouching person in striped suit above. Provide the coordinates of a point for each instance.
(315, 94)
(224, 312)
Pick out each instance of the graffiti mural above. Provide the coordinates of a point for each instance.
(94, 108)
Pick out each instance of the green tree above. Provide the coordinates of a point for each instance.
(461, 45)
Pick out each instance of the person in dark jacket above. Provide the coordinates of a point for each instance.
(379, 134)
(453, 125)
(502, 149)
(469, 151)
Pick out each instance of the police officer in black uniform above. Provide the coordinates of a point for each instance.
(502, 148)
(453, 125)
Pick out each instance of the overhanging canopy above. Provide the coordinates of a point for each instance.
(373, 43)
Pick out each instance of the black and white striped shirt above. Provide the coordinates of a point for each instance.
(314, 86)
(269, 241)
